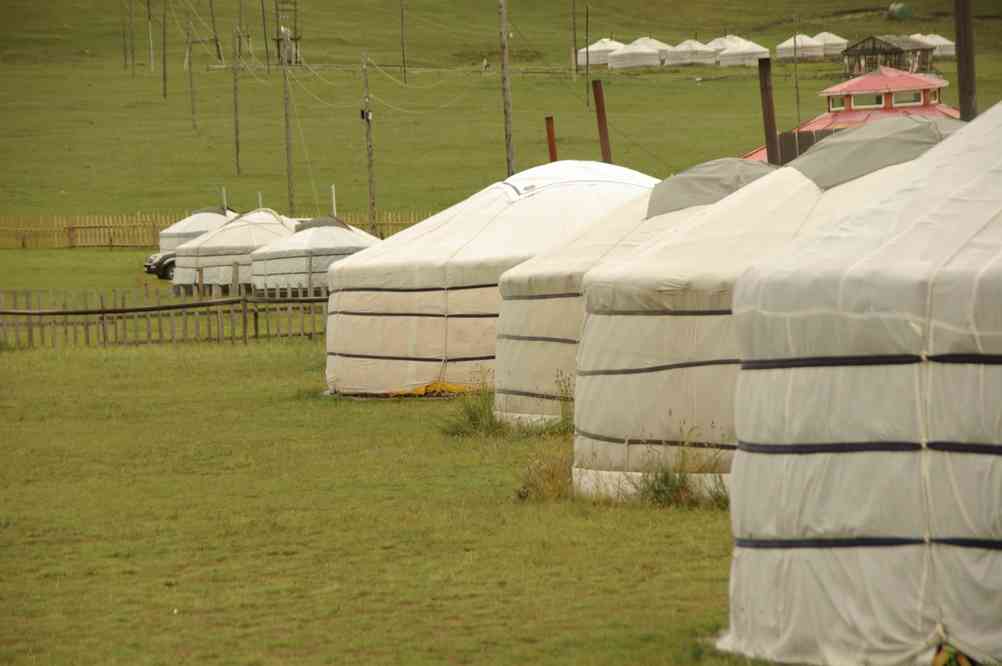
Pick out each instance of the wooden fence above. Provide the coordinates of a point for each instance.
(140, 230)
(53, 319)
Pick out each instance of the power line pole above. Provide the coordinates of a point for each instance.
(264, 31)
(215, 33)
(603, 124)
(587, 47)
(284, 57)
(506, 87)
(965, 59)
(191, 77)
(403, 41)
(163, 49)
(369, 151)
(574, 35)
(132, 36)
(149, 35)
(241, 27)
(125, 38)
(236, 96)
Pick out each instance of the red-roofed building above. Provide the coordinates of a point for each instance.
(879, 94)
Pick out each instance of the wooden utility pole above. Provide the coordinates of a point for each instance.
(587, 56)
(965, 59)
(506, 87)
(236, 96)
(149, 34)
(125, 38)
(574, 35)
(191, 77)
(163, 50)
(283, 57)
(264, 31)
(132, 35)
(768, 110)
(403, 40)
(215, 33)
(369, 152)
(796, 83)
(603, 125)
(551, 138)
(242, 27)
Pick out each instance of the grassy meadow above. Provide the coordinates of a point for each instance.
(209, 505)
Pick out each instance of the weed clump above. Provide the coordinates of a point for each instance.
(676, 486)
(547, 477)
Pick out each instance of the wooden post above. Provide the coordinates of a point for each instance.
(403, 41)
(236, 98)
(369, 149)
(31, 321)
(551, 138)
(149, 37)
(160, 317)
(191, 78)
(243, 316)
(603, 126)
(966, 85)
(215, 33)
(768, 110)
(132, 37)
(125, 38)
(284, 57)
(574, 36)
(163, 50)
(104, 322)
(506, 88)
(796, 83)
(264, 31)
(86, 318)
(587, 48)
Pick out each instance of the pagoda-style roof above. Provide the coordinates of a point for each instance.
(885, 80)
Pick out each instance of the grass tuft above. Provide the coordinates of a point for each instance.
(547, 476)
(674, 486)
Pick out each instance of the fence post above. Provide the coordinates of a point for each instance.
(243, 313)
(31, 320)
(104, 323)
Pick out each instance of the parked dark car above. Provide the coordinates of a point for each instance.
(161, 265)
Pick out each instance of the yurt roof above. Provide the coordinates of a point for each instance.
(604, 44)
(936, 40)
(199, 221)
(693, 45)
(504, 224)
(636, 48)
(886, 79)
(830, 38)
(317, 240)
(651, 43)
(242, 234)
(725, 42)
(801, 40)
(745, 48)
(704, 184)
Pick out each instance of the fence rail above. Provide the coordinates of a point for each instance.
(31, 319)
(142, 229)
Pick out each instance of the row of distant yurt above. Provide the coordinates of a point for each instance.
(942, 46)
(649, 52)
(260, 248)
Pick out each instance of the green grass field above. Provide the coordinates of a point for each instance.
(208, 505)
(90, 138)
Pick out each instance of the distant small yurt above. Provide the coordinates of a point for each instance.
(302, 259)
(832, 43)
(942, 47)
(691, 52)
(657, 359)
(598, 53)
(198, 223)
(866, 493)
(744, 53)
(643, 52)
(542, 308)
(218, 252)
(416, 313)
(801, 47)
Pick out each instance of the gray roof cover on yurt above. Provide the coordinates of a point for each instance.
(417, 312)
(657, 359)
(216, 252)
(302, 259)
(542, 310)
(867, 491)
(191, 227)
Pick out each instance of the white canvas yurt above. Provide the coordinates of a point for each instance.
(216, 253)
(719, 44)
(598, 53)
(542, 307)
(198, 223)
(657, 357)
(417, 312)
(942, 47)
(743, 54)
(832, 43)
(802, 47)
(636, 55)
(867, 491)
(691, 52)
(302, 259)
